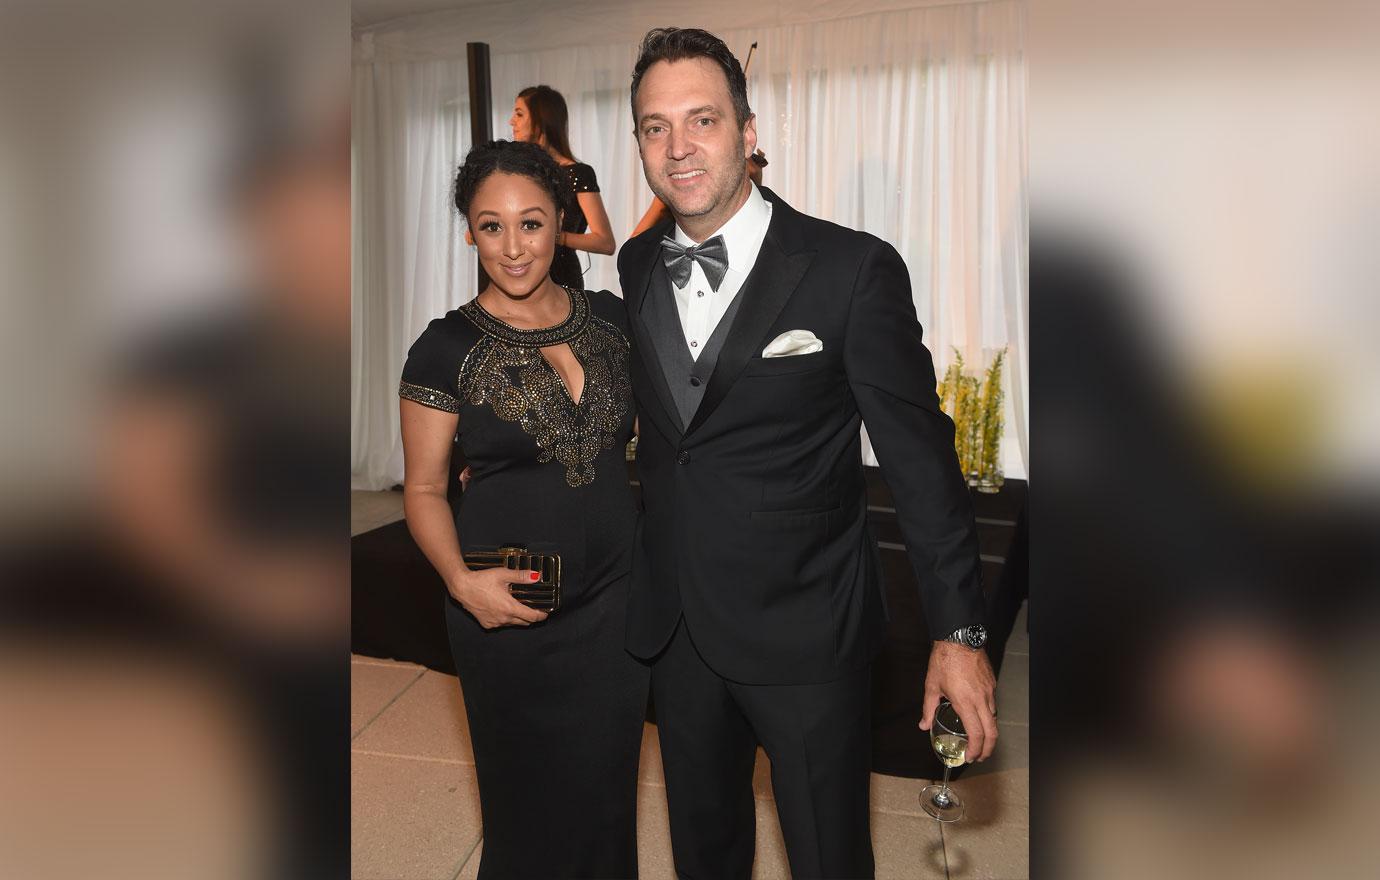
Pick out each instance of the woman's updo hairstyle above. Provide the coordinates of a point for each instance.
(511, 157)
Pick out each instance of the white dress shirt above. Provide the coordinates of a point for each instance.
(701, 307)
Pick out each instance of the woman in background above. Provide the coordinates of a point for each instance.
(532, 378)
(540, 117)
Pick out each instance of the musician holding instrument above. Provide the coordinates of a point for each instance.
(540, 116)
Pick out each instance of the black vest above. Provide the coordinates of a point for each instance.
(686, 376)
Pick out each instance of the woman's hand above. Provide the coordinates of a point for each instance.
(485, 594)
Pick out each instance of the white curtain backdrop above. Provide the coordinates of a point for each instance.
(908, 123)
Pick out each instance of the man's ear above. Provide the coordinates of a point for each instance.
(469, 238)
(750, 135)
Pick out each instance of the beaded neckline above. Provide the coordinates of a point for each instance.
(573, 325)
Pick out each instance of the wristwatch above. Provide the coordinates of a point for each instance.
(974, 636)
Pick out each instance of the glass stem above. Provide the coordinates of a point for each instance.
(943, 796)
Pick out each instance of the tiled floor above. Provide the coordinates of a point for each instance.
(415, 807)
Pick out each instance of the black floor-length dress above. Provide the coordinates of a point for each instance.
(555, 709)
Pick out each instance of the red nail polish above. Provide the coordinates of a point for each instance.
(536, 576)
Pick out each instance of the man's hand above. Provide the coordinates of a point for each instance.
(964, 676)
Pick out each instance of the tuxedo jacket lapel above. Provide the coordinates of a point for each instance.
(645, 269)
(780, 266)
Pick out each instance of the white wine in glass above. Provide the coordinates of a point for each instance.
(951, 749)
(950, 743)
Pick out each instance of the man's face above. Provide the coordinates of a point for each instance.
(693, 152)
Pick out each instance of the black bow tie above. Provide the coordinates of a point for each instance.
(712, 255)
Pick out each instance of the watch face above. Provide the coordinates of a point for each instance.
(977, 636)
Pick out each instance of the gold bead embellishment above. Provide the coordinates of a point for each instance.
(506, 371)
(428, 397)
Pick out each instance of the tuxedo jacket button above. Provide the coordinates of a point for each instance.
(695, 381)
(683, 458)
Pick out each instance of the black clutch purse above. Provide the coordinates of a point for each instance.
(543, 595)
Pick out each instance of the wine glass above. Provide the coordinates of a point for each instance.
(950, 743)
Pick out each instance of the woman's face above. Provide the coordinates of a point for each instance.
(521, 121)
(514, 224)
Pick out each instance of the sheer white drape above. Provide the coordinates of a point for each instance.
(909, 124)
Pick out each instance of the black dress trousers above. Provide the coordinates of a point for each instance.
(818, 737)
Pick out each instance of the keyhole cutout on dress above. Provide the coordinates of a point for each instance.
(568, 367)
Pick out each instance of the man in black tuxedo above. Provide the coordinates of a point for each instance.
(764, 338)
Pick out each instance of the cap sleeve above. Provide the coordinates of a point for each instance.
(582, 178)
(431, 374)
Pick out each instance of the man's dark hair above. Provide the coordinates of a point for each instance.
(511, 157)
(677, 44)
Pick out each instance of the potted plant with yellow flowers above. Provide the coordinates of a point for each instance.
(975, 405)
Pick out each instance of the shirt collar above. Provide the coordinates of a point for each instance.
(741, 231)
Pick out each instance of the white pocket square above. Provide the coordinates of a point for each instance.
(793, 342)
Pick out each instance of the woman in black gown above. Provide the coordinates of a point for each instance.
(533, 380)
(541, 117)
